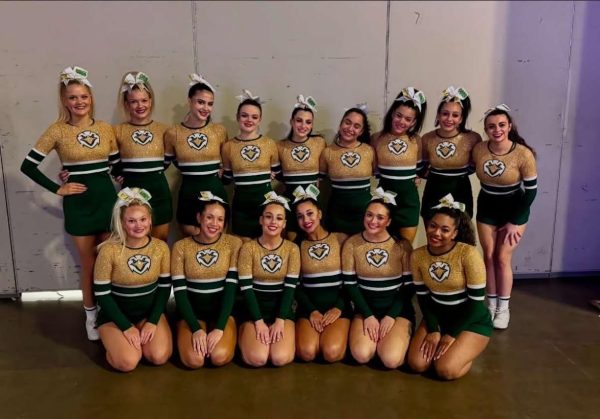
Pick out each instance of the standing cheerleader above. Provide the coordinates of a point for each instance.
(142, 148)
(449, 277)
(132, 283)
(251, 161)
(447, 152)
(204, 270)
(195, 145)
(349, 163)
(506, 167)
(377, 275)
(86, 147)
(323, 313)
(268, 270)
(398, 149)
(299, 153)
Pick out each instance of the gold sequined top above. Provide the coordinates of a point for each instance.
(142, 147)
(322, 257)
(348, 168)
(449, 156)
(250, 162)
(374, 263)
(300, 161)
(397, 157)
(268, 267)
(196, 151)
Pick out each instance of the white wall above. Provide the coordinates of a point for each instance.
(537, 57)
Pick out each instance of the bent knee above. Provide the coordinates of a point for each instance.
(362, 355)
(220, 357)
(158, 357)
(281, 359)
(390, 361)
(193, 361)
(255, 359)
(126, 363)
(306, 353)
(418, 364)
(447, 371)
(333, 353)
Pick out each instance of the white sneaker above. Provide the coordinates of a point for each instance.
(92, 332)
(492, 311)
(501, 319)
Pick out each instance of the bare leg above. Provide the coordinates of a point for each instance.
(188, 356)
(86, 248)
(334, 340)
(254, 353)
(487, 237)
(120, 354)
(416, 360)
(392, 349)
(160, 348)
(457, 361)
(225, 349)
(161, 232)
(361, 346)
(307, 340)
(282, 352)
(408, 233)
(189, 230)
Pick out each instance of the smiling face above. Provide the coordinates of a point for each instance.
(351, 127)
(139, 105)
(248, 119)
(308, 216)
(403, 119)
(201, 106)
(272, 220)
(77, 99)
(441, 232)
(211, 221)
(450, 117)
(497, 128)
(302, 124)
(377, 219)
(137, 221)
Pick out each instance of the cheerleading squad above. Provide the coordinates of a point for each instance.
(289, 282)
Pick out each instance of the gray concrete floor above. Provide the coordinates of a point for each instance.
(546, 365)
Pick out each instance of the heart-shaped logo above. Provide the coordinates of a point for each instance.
(142, 137)
(197, 140)
(377, 257)
(350, 159)
(139, 264)
(397, 146)
(439, 271)
(88, 139)
(271, 263)
(445, 149)
(300, 153)
(250, 152)
(318, 251)
(207, 257)
(494, 168)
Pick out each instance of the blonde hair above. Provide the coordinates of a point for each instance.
(64, 115)
(117, 232)
(122, 97)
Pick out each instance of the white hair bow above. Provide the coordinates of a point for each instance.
(501, 107)
(128, 195)
(311, 192)
(140, 80)
(246, 94)
(207, 196)
(199, 78)
(455, 94)
(386, 196)
(306, 102)
(410, 94)
(362, 106)
(449, 202)
(273, 198)
(74, 73)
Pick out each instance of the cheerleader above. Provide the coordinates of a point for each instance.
(505, 166)
(398, 150)
(195, 147)
(323, 313)
(377, 275)
(86, 148)
(268, 271)
(250, 161)
(349, 163)
(447, 152)
(204, 270)
(132, 283)
(449, 277)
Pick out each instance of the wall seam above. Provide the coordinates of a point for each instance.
(387, 56)
(10, 232)
(194, 37)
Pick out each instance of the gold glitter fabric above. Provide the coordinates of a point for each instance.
(250, 157)
(196, 151)
(504, 171)
(449, 153)
(399, 155)
(141, 142)
(375, 262)
(347, 166)
(300, 161)
(322, 256)
(268, 266)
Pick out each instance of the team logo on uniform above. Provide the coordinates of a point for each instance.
(250, 152)
(139, 264)
(207, 257)
(142, 137)
(494, 168)
(300, 153)
(445, 149)
(377, 257)
(439, 271)
(271, 263)
(88, 139)
(318, 251)
(350, 159)
(397, 146)
(197, 140)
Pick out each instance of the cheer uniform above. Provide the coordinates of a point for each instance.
(268, 280)
(448, 160)
(197, 155)
(132, 284)
(205, 279)
(349, 170)
(87, 154)
(451, 290)
(320, 285)
(398, 160)
(508, 184)
(142, 151)
(378, 278)
(249, 163)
